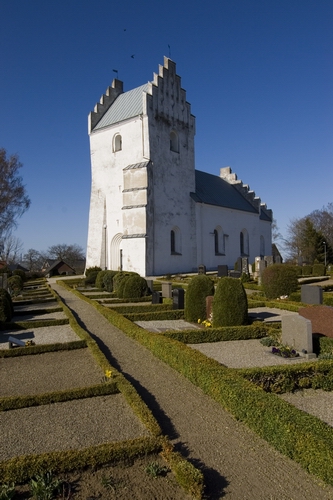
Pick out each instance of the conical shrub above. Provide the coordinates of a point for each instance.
(230, 303)
(198, 289)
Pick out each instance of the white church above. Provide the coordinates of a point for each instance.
(151, 211)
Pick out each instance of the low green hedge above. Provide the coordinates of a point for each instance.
(37, 312)
(142, 309)
(301, 437)
(40, 349)
(325, 345)
(17, 402)
(199, 336)
(156, 316)
(22, 468)
(35, 323)
(280, 379)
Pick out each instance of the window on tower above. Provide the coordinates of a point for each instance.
(174, 143)
(117, 143)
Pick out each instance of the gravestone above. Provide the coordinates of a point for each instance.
(156, 298)
(201, 269)
(269, 260)
(239, 264)
(234, 274)
(297, 333)
(167, 290)
(311, 294)
(209, 306)
(15, 342)
(245, 265)
(260, 267)
(150, 285)
(222, 271)
(178, 298)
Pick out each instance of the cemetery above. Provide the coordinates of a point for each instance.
(215, 330)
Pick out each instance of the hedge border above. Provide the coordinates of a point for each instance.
(296, 434)
(40, 349)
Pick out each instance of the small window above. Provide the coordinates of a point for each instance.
(175, 241)
(117, 143)
(219, 241)
(262, 246)
(244, 243)
(174, 142)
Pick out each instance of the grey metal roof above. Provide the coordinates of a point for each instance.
(213, 190)
(126, 106)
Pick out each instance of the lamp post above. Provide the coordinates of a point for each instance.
(324, 243)
(105, 227)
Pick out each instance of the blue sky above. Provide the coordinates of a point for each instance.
(258, 75)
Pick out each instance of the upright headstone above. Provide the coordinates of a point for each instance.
(261, 265)
(269, 260)
(297, 333)
(178, 298)
(167, 290)
(222, 271)
(209, 306)
(201, 269)
(239, 264)
(311, 294)
(245, 265)
(156, 298)
(150, 285)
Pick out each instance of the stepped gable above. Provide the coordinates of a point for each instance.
(104, 104)
(227, 174)
(167, 98)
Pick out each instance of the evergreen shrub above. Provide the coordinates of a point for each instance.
(135, 286)
(198, 289)
(99, 282)
(91, 275)
(230, 303)
(318, 270)
(108, 280)
(306, 270)
(15, 285)
(6, 306)
(21, 273)
(278, 280)
(119, 282)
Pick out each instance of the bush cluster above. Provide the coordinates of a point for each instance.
(135, 286)
(6, 306)
(230, 303)
(15, 284)
(279, 280)
(198, 289)
(91, 275)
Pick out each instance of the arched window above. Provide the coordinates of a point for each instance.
(244, 243)
(262, 246)
(174, 146)
(117, 143)
(175, 241)
(219, 241)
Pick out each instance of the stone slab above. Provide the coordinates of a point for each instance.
(297, 333)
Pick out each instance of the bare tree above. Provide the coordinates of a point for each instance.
(13, 198)
(33, 259)
(323, 222)
(10, 248)
(69, 253)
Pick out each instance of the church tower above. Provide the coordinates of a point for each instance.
(142, 217)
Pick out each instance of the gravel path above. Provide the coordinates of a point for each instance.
(237, 464)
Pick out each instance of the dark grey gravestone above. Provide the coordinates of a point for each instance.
(167, 290)
(201, 269)
(150, 285)
(269, 260)
(235, 274)
(178, 298)
(311, 294)
(239, 264)
(13, 341)
(156, 298)
(222, 271)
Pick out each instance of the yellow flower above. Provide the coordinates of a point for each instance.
(199, 320)
(108, 373)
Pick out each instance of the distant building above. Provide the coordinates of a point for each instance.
(150, 210)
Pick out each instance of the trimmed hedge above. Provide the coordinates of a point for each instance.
(200, 336)
(279, 280)
(198, 289)
(230, 303)
(299, 436)
(40, 349)
(156, 316)
(142, 308)
(135, 286)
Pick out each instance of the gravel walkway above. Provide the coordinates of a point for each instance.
(237, 464)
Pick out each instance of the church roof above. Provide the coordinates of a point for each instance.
(213, 190)
(127, 105)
